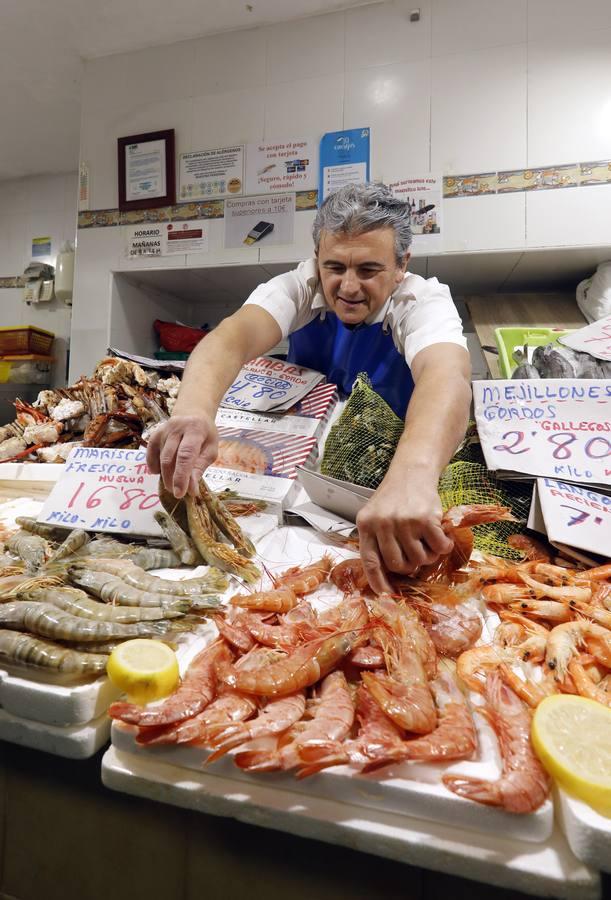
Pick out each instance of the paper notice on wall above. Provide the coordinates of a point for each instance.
(184, 237)
(263, 221)
(281, 166)
(559, 428)
(574, 515)
(344, 159)
(143, 240)
(165, 239)
(270, 384)
(424, 196)
(103, 489)
(594, 339)
(210, 174)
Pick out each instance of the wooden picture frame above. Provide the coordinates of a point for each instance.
(147, 170)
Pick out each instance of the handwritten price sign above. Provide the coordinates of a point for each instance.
(557, 427)
(270, 384)
(104, 490)
(575, 515)
(594, 339)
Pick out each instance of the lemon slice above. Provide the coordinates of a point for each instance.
(572, 737)
(145, 670)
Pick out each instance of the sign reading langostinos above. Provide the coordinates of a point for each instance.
(559, 428)
(575, 515)
(104, 489)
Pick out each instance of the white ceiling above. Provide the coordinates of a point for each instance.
(43, 45)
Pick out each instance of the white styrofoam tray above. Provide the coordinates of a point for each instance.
(412, 789)
(588, 833)
(547, 869)
(73, 741)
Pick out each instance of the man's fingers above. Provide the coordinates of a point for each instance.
(167, 459)
(437, 539)
(153, 451)
(372, 564)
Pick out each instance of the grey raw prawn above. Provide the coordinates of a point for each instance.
(213, 582)
(16, 647)
(48, 621)
(112, 588)
(78, 603)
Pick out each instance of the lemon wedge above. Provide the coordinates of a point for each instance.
(572, 737)
(145, 670)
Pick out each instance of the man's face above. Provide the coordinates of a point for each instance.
(358, 273)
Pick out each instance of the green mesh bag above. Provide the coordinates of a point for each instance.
(362, 443)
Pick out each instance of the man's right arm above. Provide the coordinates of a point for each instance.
(182, 448)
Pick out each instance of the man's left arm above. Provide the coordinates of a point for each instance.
(400, 527)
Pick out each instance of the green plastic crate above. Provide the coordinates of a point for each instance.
(507, 339)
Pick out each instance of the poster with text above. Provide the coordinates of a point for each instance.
(344, 159)
(575, 515)
(185, 237)
(259, 221)
(424, 196)
(281, 166)
(557, 427)
(594, 339)
(210, 174)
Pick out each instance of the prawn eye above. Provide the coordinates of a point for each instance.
(525, 606)
(552, 664)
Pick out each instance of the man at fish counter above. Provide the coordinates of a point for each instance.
(353, 307)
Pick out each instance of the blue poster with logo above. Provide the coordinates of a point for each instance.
(344, 159)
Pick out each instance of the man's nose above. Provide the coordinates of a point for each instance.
(350, 283)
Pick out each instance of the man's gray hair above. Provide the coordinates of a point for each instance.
(357, 208)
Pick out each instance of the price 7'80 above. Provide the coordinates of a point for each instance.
(596, 448)
(131, 495)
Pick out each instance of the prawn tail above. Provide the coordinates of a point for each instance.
(318, 755)
(258, 761)
(225, 741)
(476, 789)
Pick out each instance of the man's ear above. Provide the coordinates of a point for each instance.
(402, 269)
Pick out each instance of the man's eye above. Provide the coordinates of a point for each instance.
(367, 273)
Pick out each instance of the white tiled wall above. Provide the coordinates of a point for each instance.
(44, 206)
(474, 86)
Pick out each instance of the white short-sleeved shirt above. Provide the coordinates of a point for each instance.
(419, 313)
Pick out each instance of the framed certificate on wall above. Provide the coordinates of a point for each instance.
(147, 171)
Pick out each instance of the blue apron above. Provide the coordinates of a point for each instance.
(341, 352)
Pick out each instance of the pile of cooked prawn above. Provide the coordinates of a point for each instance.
(380, 680)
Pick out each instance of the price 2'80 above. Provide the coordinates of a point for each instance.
(563, 442)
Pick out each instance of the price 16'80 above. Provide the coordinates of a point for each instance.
(133, 498)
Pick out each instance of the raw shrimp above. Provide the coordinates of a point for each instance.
(235, 633)
(524, 784)
(228, 708)
(50, 532)
(349, 575)
(225, 522)
(31, 548)
(565, 639)
(452, 629)
(285, 635)
(305, 666)
(552, 610)
(16, 647)
(332, 718)
(367, 657)
(530, 692)
(49, 621)
(280, 600)
(275, 717)
(112, 589)
(196, 691)
(585, 686)
(179, 540)
(404, 693)
(602, 616)
(564, 593)
(403, 619)
(504, 594)
(78, 603)
(213, 582)
(75, 540)
(529, 546)
(305, 579)
(533, 641)
(479, 660)
(214, 553)
(377, 738)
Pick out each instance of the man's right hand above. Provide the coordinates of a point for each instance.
(181, 450)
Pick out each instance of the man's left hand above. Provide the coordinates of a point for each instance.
(400, 530)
